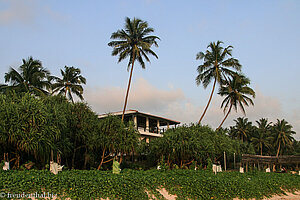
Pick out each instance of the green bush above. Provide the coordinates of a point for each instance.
(33, 128)
(132, 184)
(185, 144)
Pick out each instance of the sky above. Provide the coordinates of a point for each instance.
(264, 34)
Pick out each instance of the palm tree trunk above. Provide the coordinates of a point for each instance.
(213, 89)
(261, 149)
(278, 150)
(73, 159)
(66, 92)
(225, 117)
(85, 159)
(126, 97)
(70, 93)
(73, 156)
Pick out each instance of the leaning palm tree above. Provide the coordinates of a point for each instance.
(134, 42)
(30, 77)
(71, 82)
(282, 135)
(216, 66)
(262, 139)
(236, 92)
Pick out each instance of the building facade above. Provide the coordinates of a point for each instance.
(148, 125)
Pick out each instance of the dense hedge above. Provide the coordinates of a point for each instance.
(32, 128)
(131, 184)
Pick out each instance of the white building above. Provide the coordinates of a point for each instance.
(148, 125)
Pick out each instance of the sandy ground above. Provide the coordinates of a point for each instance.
(289, 196)
(164, 192)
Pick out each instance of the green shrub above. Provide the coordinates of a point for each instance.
(132, 184)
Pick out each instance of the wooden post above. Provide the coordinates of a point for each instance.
(157, 126)
(234, 161)
(224, 160)
(58, 158)
(247, 167)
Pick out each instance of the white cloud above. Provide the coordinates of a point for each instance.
(27, 12)
(142, 96)
(58, 17)
(173, 104)
(18, 11)
(265, 107)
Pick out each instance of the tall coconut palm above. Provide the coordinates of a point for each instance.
(262, 139)
(236, 92)
(134, 42)
(242, 128)
(71, 82)
(217, 65)
(282, 135)
(31, 77)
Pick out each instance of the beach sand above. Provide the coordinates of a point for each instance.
(164, 192)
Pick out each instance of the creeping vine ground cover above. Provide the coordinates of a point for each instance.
(132, 184)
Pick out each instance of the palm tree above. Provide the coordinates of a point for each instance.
(242, 128)
(32, 77)
(236, 91)
(216, 66)
(71, 82)
(134, 42)
(263, 137)
(282, 135)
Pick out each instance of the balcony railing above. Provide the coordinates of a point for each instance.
(153, 130)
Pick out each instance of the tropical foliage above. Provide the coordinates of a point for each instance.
(262, 138)
(282, 135)
(242, 129)
(26, 127)
(132, 184)
(71, 82)
(267, 138)
(134, 42)
(186, 144)
(236, 92)
(116, 139)
(34, 128)
(31, 77)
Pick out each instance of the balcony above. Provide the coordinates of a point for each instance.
(156, 133)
